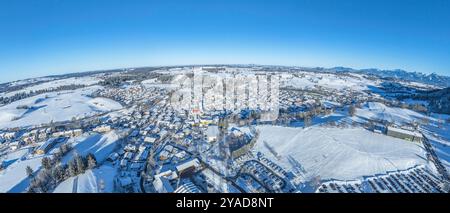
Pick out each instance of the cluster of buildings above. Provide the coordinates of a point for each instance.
(256, 173)
(240, 142)
(128, 94)
(49, 144)
(168, 180)
(30, 137)
(154, 156)
(167, 150)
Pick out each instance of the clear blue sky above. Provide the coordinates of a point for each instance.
(46, 37)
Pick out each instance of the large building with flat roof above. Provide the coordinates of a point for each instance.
(404, 134)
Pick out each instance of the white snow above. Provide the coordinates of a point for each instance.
(218, 182)
(14, 155)
(92, 181)
(14, 177)
(335, 153)
(96, 180)
(87, 80)
(56, 106)
(379, 111)
(439, 135)
(404, 131)
(413, 101)
(150, 81)
(306, 80)
(99, 145)
(31, 80)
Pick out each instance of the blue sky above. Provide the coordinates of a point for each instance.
(47, 37)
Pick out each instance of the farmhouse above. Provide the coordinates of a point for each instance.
(404, 134)
(49, 144)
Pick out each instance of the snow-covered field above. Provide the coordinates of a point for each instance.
(14, 155)
(99, 145)
(14, 177)
(332, 81)
(92, 181)
(379, 111)
(56, 106)
(338, 153)
(87, 80)
(31, 80)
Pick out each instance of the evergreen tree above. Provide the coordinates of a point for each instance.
(80, 164)
(57, 156)
(34, 185)
(58, 174)
(61, 149)
(72, 167)
(65, 148)
(45, 180)
(29, 171)
(31, 190)
(91, 161)
(46, 163)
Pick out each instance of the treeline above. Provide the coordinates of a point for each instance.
(139, 76)
(53, 172)
(116, 81)
(439, 100)
(23, 95)
(415, 107)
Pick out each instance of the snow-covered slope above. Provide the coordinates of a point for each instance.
(379, 111)
(92, 181)
(87, 80)
(99, 145)
(438, 134)
(56, 106)
(308, 80)
(14, 178)
(338, 153)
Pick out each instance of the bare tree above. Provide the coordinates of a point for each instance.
(307, 121)
(352, 110)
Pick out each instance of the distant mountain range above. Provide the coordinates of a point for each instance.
(433, 79)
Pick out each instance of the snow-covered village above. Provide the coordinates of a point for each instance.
(226, 129)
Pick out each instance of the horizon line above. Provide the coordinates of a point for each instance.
(216, 64)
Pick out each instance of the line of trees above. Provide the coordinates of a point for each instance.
(115, 81)
(23, 95)
(54, 172)
(79, 164)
